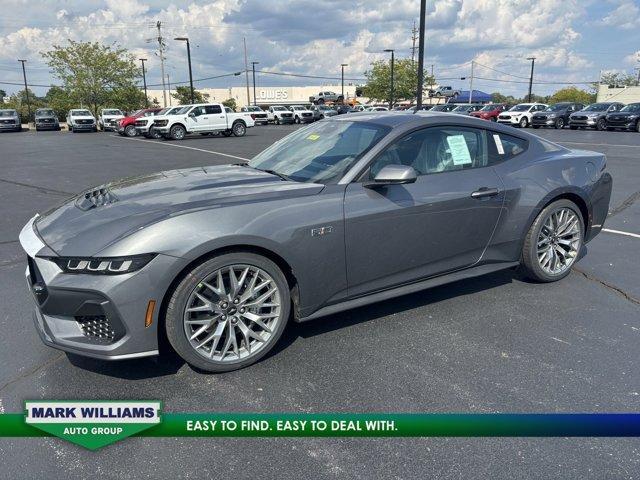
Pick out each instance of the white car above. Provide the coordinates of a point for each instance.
(203, 118)
(144, 125)
(79, 119)
(109, 118)
(259, 115)
(520, 115)
(301, 114)
(279, 114)
(377, 109)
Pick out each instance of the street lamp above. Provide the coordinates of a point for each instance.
(185, 39)
(253, 68)
(144, 80)
(533, 62)
(26, 89)
(342, 65)
(392, 62)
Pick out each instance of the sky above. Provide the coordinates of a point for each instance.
(572, 40)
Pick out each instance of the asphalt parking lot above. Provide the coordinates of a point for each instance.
(490, 344)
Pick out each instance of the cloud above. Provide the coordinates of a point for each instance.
(625, 16)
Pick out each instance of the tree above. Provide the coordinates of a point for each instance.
(572, 94)
(183, 95)
(19, 101)
(618, 79)
(95, 75)
(405, 80)
(59, 100)
(2, 94)
(231, 103)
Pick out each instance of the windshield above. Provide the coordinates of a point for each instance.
(557, 107)
(279, 109)
(297, 107)
(80, 113)
(182, 110)
(632, 107)
(322, 152)
(442, 108)
(253, 109)
(44, 113)
(489, 108)
(520, 108)
(597, 107)
(462, 108)
(164, 111)
(324, 107)
(7, 113)
(111, 112)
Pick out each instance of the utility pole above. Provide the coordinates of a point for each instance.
(342, 65)
(433, 79)
(161, 50)
(471, 83)
(185, 39)
(253, 68)
(423, 9)
(414, 37)
(246, 70)
(169, 88)
(533, 62)
(144, 79)
(26, 89)
(392, 62)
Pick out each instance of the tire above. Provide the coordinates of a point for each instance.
(239, 129)
(276, 120)
(534, 266)
(601, 125)
(523, 122)
(638, 126)
(177, 132)
(153, 133)
(130, 131)
(204, 281)
(297, 119)
(72, 130)
(559, 125)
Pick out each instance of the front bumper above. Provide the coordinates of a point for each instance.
(547, 122)
(100, 316)
(589, 122)
(287, 120)
(9, 126)
(142, 129)
(84, 126)
(510, 121)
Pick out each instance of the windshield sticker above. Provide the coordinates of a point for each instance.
(313, 136)
(459, 150)
(496, 138)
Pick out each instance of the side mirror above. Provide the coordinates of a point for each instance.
(192, 114)
(393, 175)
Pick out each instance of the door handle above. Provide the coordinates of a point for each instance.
(221, 116)
(485, 192)
(205, 118)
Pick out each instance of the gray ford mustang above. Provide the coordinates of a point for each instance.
(342, 213)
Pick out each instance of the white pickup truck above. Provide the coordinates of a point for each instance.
(203, 118)
(109, 118)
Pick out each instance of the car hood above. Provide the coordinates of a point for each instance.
(87, 223)
(623, 114)
(113, 117)
(82, 117)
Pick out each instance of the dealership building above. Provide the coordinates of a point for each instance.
(265, 96)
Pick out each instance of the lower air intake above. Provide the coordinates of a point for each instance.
(97, 327)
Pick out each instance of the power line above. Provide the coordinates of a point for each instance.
(308, 76)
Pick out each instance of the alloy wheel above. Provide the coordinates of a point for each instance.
(232, 313)
(559, 241)
(560, 123)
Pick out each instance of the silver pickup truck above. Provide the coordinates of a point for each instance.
(326, 96)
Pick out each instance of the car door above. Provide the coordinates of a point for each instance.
(442, 222)
(217, 119)
(196, 119)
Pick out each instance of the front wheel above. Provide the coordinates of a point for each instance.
(524, 122)
(239, 129)
(130, 131)
(297, 119)
(601, 125)
(276, 121)
(638, 126)
(177, 132)
(228, 312)
(559, 123)
(553, 242)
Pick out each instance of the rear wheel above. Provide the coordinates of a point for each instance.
(553, 242)
(228, 312)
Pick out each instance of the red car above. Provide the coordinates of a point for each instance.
(491, 111)
(127, 126)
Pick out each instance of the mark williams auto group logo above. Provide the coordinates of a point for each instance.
(92, 424)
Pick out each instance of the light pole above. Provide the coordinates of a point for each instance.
(533, 62)
(423, 8)
(185, 39)
(253, 68)
(26, 89)
(144, 80)
(342, 65)
(392, 62)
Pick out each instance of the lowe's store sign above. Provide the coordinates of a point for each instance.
(269, 94)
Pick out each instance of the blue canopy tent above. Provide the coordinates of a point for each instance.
(477, 97)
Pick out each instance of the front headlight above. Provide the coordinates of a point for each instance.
(102, 266)
(551, 115)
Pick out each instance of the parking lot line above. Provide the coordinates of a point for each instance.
(629, 234)
(155, 142)
(600, 144)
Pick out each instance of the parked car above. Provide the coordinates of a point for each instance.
(359, 108)
(467, 108)
(424, 108)
(279, 114)
(326, 96)
(46, 119)
(127, 126)
(594, 115)
(144, 124)
(444, 91)
(259, 116)
(301, 114)
(322, 111)
(443, 107)
(219, 259)
(377, 109)
(81, 119)
(520, 115)
(109, 118)
(203, 118)
(10, 120)
(556, 115)
(342, 109)
(628, 118)
(491, 111)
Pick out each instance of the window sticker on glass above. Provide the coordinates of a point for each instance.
(496, 138)
(459, 150)
(313, 136)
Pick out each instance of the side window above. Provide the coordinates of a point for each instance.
(435, 150)
(213, 109)
(197, 111)
(504, 147)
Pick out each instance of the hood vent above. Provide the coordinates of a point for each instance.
(95, 198)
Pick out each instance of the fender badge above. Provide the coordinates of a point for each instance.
(316, 232)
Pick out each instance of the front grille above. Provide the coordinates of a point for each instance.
(287, 115)
(307, 114)
(504, 117)
(95, 198)
(578, 117)
(539, 117)
(96, 327)
(45, 120)
(9, 122)
(83, 121)
(141, 123)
